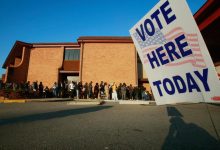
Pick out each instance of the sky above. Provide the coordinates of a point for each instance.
(66, 20)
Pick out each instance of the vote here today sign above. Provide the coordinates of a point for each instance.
(174, 55)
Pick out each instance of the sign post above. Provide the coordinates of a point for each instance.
(174, 55)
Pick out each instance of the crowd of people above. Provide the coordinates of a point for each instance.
(78, 90)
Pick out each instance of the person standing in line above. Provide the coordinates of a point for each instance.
(77, 90)
(32, 87)
(55, 89)
(59, 89)
(27, 89)
(41, 89)
(80, 87)
(144, 94)
(130, 89)
(102, 90)
(118, 90)
(110, 91)
(62, 88)
(96, 90)
(47, 92)
(66, 87)
(90, 90)
(32, 90)
(36, 86)
(106, 90)
(136, 92)
(85, 92)
(114, 92)
(71, 87)
(123, 91)
(74, 89)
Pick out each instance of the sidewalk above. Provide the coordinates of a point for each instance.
(72, 101)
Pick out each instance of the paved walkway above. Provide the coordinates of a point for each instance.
(74, 101)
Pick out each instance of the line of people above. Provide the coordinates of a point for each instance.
(107, 91)
(78, 90)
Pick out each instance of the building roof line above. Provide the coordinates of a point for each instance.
(12, 50)
(117, 39)
(57, 43)
(203, 8)
(21, 43)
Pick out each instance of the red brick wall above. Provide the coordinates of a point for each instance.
(110, 62)
(44, 64)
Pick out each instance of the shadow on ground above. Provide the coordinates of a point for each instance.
(52, 115)
(215, 104)
(187, 136)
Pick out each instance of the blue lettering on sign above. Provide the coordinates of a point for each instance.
(141, 34)
(153, 59)
(171, 50)
(181, 43)
(166, 12)
(161, 54)
(178, 85)
(168, 83)
(156, 17)
(192, 83)
(158, 83)
(203, 78)
(150, 23)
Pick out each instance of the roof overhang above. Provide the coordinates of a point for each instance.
(12, 53)
(18, 44)
(207, 14)
(63, 71)
(105, 39)
(55, 44)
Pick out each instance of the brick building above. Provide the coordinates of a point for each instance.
(110, 59)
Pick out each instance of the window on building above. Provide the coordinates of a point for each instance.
(72, 54)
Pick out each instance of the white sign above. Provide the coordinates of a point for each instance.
(174, 55)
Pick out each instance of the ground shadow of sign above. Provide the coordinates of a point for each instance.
(187, 136)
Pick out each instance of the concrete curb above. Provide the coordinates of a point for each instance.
(81, 101)
(134, 102)
(12, 101)
(86, 102)
(49, 100)
(137, 102)
(34, 100)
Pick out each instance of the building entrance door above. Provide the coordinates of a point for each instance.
(72, 78)
(69, 77)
